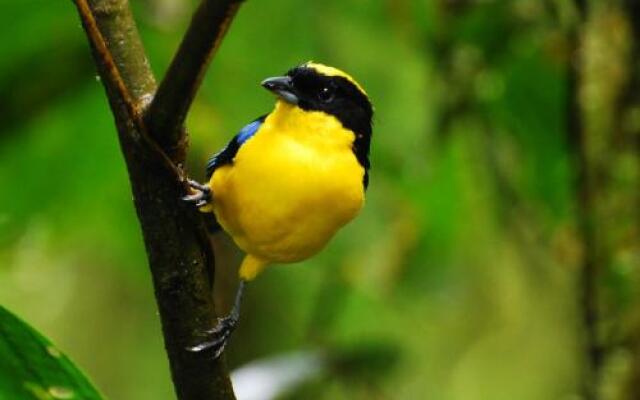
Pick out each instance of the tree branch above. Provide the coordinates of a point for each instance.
(112, 79)
(583, 197)
(178, 88)
(176, 242)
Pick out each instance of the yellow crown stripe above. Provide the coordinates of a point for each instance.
(331, 71)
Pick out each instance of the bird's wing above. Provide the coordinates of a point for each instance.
(226, 155)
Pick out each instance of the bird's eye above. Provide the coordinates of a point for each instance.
(326, 94)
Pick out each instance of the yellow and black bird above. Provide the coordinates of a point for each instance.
(287, 182)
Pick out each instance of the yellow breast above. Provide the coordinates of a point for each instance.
(291, 186)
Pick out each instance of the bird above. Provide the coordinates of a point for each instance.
(290, 179)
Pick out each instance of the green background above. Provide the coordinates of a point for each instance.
(459, 280)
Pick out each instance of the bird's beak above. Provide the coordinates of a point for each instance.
(283, 87)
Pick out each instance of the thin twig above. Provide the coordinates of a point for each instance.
(583, 196)
(114, 81)
(110, 73)
(169, 107)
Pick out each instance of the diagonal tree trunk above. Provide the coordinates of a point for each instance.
(149, 122)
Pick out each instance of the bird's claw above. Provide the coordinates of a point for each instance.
(219, 337)
(201, 196)
(197, 185)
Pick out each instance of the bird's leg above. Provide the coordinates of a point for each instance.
(202, 194)
(219, 336)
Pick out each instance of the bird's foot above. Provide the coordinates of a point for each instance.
(201, 195)
(218, 337)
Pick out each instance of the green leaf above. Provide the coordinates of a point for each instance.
(32, 368)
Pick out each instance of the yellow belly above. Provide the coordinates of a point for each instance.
(282, 199)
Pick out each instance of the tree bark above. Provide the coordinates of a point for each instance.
(153, 142)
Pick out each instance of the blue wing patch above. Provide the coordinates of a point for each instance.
(226, 155)
(249, 130)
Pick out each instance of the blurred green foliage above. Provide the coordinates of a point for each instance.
(458, 280)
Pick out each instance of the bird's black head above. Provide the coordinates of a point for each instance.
(316, 87)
